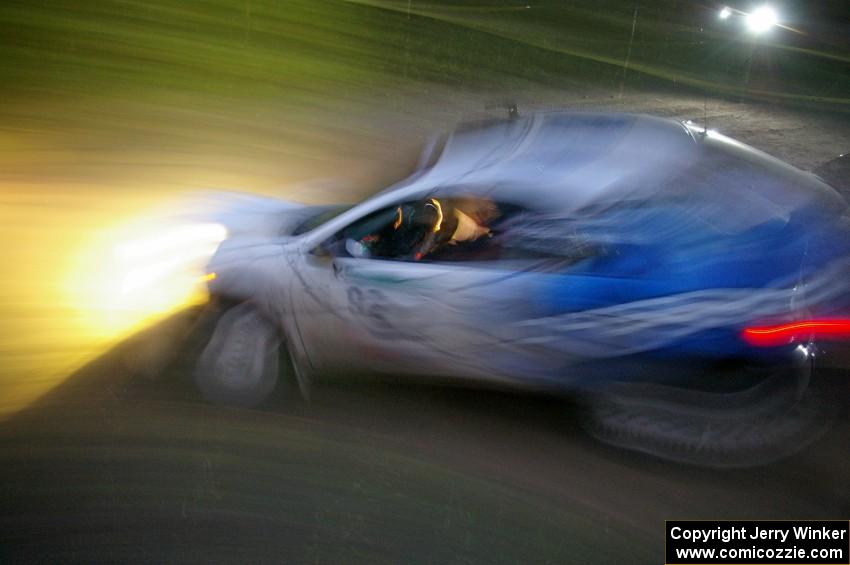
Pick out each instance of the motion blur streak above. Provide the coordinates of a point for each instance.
(80, 280)
(113, 109)
(150, 272)
(767, 336)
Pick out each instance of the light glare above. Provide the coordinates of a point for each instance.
(152, 269)
(725, 12)
(761, 19)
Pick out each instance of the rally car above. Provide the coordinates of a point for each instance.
(676, 280)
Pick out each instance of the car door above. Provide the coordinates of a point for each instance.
(369, 311)
(426, 287)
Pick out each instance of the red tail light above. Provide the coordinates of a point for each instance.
(771, 336)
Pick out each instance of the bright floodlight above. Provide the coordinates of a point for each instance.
(761, 19)
(725, 12)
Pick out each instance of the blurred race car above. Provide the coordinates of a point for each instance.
(673, 278)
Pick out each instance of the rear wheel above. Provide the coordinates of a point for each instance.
(773, 419)
(240, 364)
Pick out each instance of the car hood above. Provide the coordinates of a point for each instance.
(247, 215)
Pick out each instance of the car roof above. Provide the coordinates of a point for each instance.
(563, 157)
(565, 161)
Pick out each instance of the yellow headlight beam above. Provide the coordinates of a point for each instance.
(134, 275)
(192, 236)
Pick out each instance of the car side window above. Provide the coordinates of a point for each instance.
(400, 232)
(450, 230)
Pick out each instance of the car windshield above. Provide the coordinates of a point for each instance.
(321, 215)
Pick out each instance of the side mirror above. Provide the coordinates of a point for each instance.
(321, 252)
(329, 249)
(343, 247)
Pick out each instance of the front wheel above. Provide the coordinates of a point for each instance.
(240, 364)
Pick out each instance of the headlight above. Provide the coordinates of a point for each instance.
(133, 275)
(183, 250)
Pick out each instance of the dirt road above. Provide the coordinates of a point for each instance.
(125, 462)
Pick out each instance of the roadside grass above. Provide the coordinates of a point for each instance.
(222, 59)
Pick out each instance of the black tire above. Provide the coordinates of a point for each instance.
(240, 364)
(769, 421)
